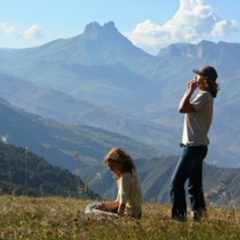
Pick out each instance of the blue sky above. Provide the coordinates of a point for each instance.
(149, 24)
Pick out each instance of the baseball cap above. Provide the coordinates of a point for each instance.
(208, 72)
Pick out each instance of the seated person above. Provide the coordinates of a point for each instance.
(129, 196)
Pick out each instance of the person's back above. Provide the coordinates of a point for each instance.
(130, 193)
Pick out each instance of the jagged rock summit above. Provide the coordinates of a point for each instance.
(94, 30)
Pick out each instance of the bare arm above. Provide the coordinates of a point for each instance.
(109, 205)
(185, 105)
(112, 206)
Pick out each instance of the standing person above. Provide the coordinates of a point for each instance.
(198, 118)
(129, 192)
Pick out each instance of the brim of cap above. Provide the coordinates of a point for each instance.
(197, 71)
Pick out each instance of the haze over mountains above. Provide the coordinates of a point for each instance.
(60, 143)
(100, 79)
(65, 145)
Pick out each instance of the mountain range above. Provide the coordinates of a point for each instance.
(65, 145)
(81, 150)
(100, 79)
(72, 100)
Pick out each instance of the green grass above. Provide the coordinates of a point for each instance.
(64, 218)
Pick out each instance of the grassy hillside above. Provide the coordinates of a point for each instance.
(23, 173)
(64, 218)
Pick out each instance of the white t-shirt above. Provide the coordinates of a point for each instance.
(129, 193)
(197, 124)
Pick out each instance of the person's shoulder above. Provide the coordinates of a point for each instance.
(204, 95)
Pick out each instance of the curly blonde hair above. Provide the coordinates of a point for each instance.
(122, 157)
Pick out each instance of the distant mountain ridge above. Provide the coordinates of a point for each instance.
(59, 143)
(96, 46)
(60, 146)
(221, 185)
(103, 68)
(204, 49)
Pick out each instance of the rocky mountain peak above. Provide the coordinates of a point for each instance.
(94, 30)
(200, 50)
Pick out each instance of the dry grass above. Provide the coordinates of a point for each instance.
(64, 218)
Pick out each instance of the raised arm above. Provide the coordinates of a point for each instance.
(185, 105)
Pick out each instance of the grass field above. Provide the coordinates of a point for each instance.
(63, 218)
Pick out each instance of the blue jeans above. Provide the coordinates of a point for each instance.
(189, 167)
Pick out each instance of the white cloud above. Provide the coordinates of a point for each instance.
(33, 32)
(8, 29)
(193, 22)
